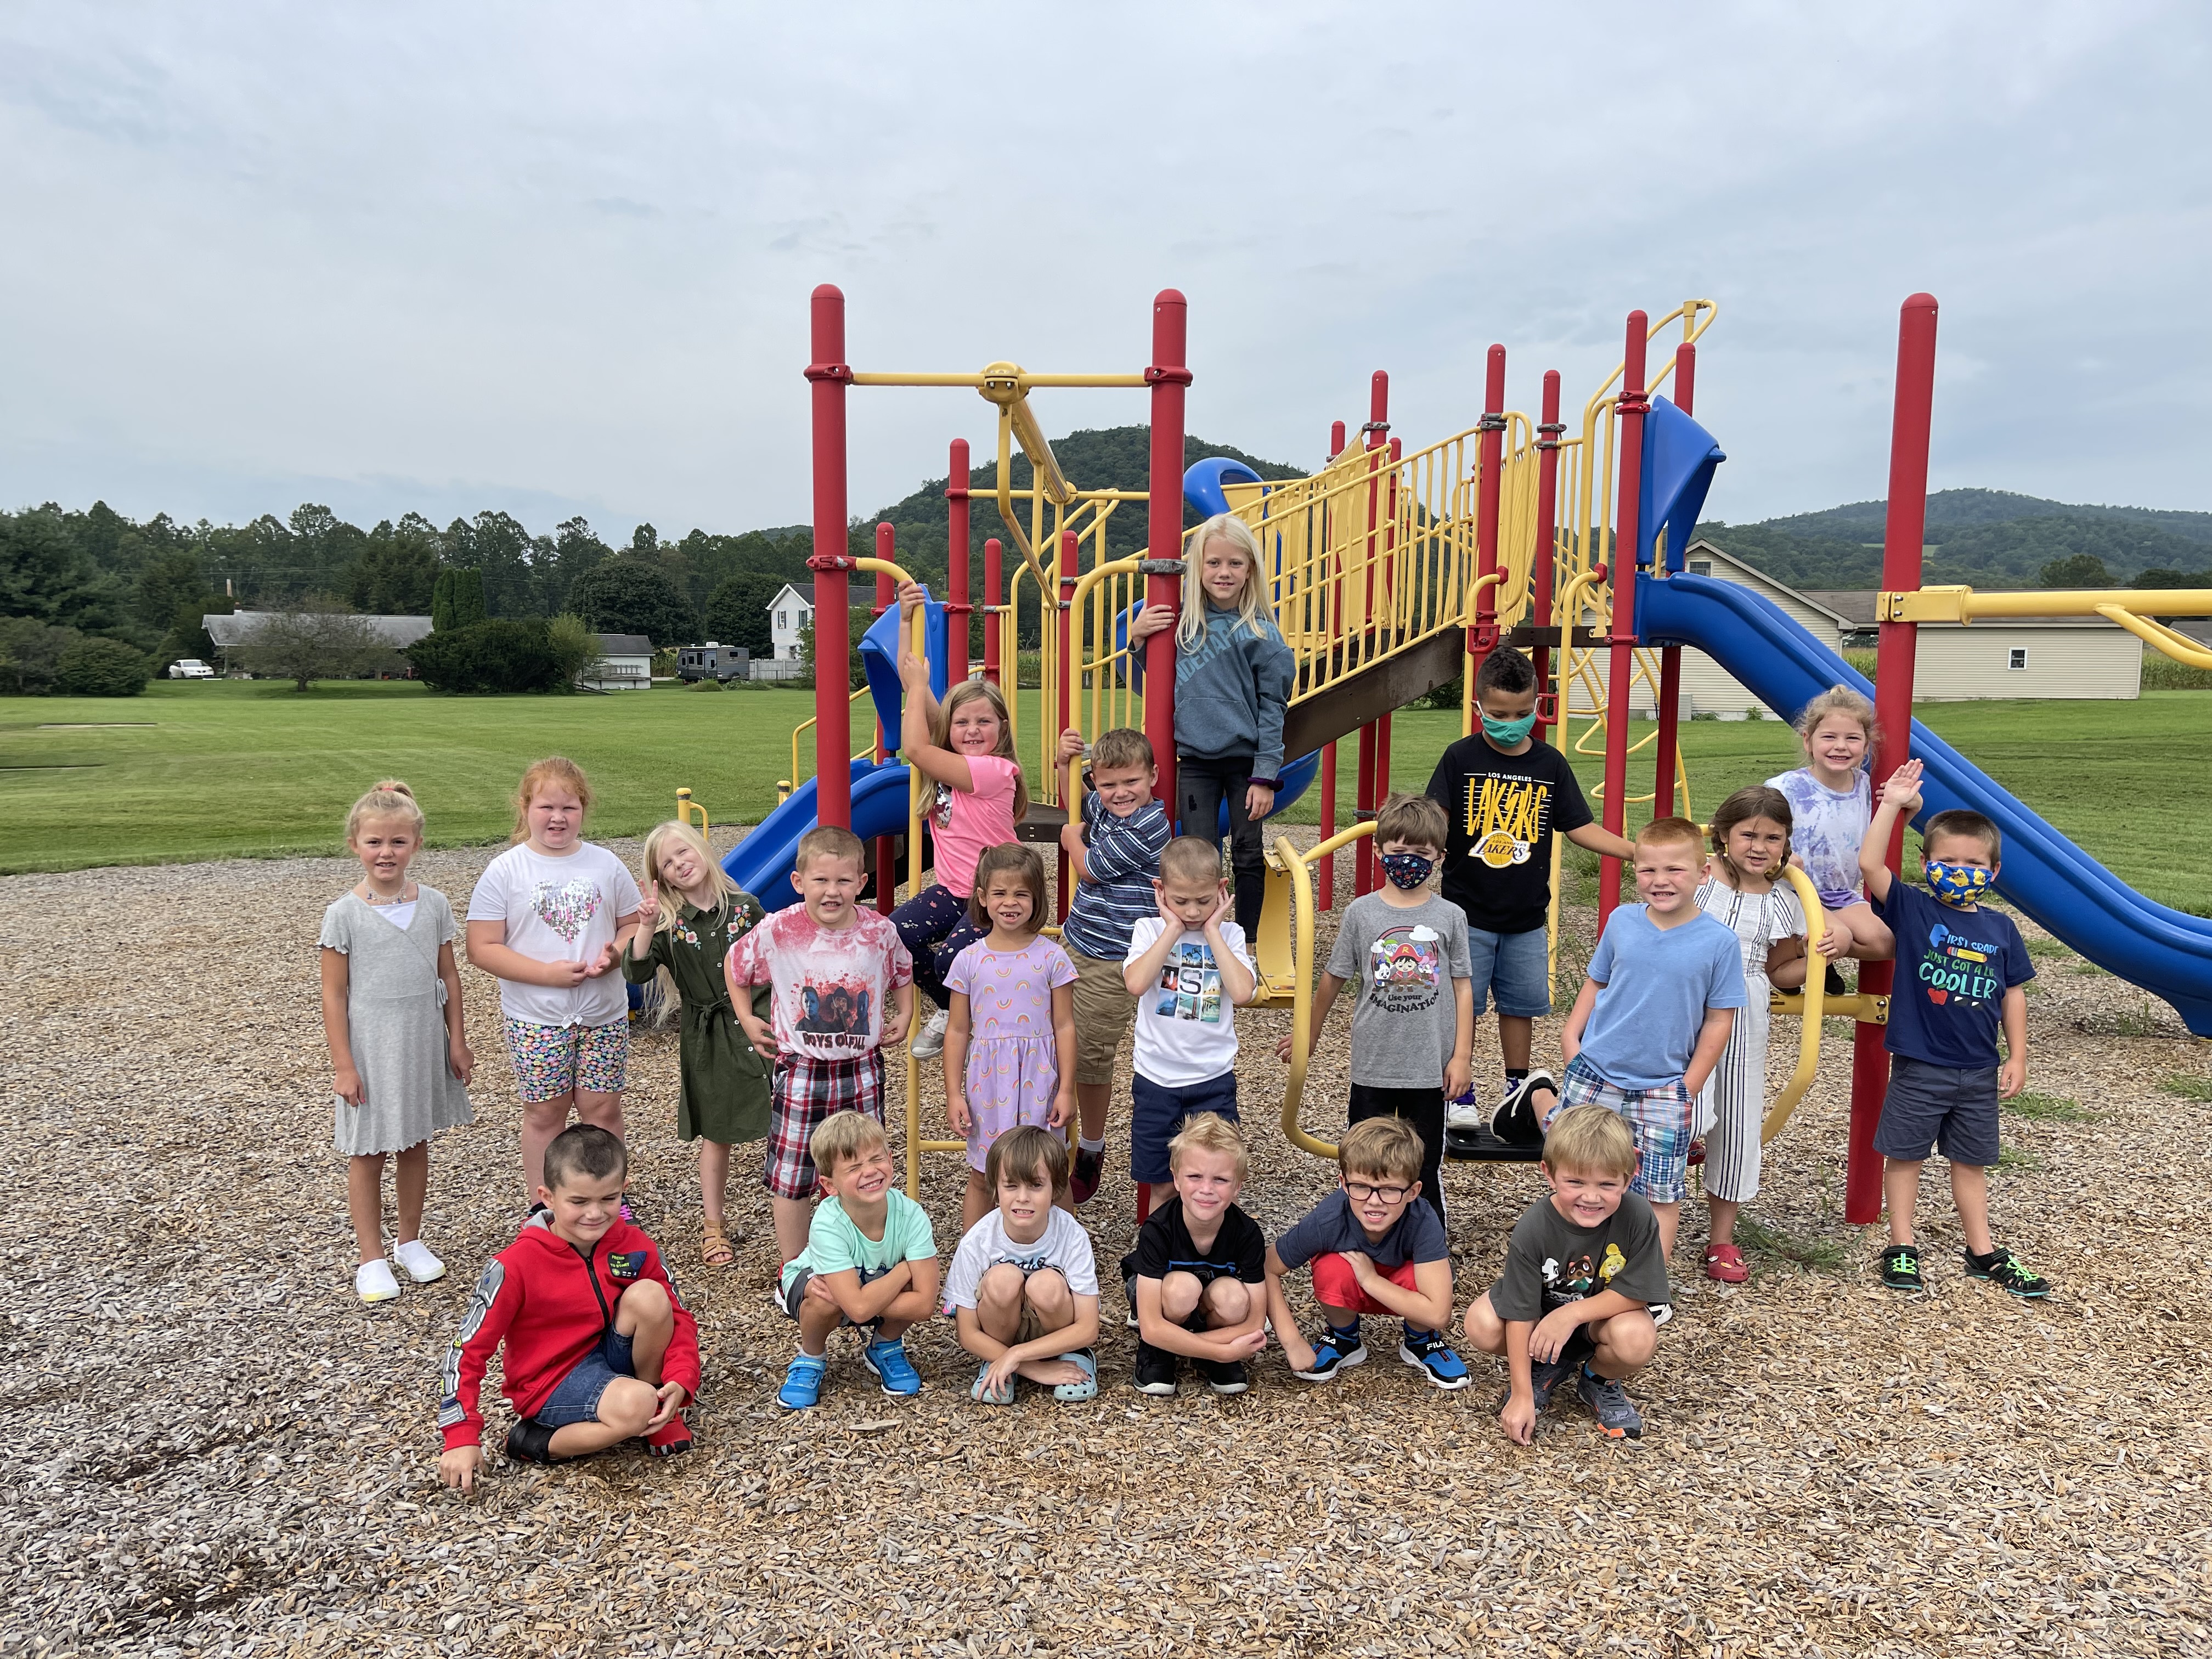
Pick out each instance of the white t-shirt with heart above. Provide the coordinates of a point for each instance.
(559, 910)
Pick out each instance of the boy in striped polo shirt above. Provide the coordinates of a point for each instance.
(1116, 855)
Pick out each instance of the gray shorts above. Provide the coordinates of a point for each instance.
(1954, 1110)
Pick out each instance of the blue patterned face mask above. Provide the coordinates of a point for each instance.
(1959, 884)
(1408, 870)
(1506, 733)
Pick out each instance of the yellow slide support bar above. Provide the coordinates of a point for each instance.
(685, 806)
(1290, 877)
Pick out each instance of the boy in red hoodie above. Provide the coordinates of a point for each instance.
(599, 1347)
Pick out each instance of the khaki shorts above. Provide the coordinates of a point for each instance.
(1104, 1011)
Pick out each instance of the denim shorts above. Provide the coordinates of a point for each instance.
(1157, 1112)
(576, 1398)
(1515, 967)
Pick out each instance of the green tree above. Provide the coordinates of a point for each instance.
(576, 551)
(313, 639)
(30, 654)
(169, 583)
(395, 573)
(102, 668)
(2077, 570)
(624, 597)
(46, 575)
(508, 654)
(857, 622)
(737, 611)
(441, 602)
(576, 648)
(499, 548)
(469, 602)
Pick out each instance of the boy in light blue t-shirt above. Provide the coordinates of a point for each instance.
(1654, 1015)
(870, 1261)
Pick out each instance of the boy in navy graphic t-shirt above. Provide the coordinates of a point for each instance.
(1959, 974)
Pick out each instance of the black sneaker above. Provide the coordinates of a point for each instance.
(2004, 1268)
(1129, 1290)
(1517, 1120)
(1223, 1375)
(1831, 982)
(530, 1441)
(1900, 1270)
(1156, 1369)
(1082, 1180)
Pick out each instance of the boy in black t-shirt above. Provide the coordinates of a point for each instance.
(1505, 794)
(1581, 1269)
(1193, 1279)
(1960, 973)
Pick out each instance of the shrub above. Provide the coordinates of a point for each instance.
(30, 654)
(489, 656)
(576, 648)
(102, 668)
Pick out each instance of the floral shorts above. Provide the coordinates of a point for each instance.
(1658, 1118)
(549, 1060)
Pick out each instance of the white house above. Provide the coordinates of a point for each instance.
(789, 614)
(625, 664)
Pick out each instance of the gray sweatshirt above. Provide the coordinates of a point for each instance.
(1231, 690)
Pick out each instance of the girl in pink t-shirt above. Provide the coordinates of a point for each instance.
(1009, 1049)
(966, 746)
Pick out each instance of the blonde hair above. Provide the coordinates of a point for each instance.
(656, 847)
(556, 769)
(1590, 1140)
(1253, 612)
(1669, 832)
(940, 731)
(1413, 820)
(1024, 862)
(829, 840)
(389, 799)
(1121, 748)
(1835, 700)
(1386, 1146)
(842, 1137)
(1210, 1132)
(1191, 858)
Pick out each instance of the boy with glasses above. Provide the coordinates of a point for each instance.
(1374, 1250)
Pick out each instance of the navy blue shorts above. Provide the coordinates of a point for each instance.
(1954, 1109)
(576, 1398)
(1157, 1112)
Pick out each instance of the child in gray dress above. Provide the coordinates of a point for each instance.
(391, 1013)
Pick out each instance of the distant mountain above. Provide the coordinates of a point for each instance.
(1989, 539)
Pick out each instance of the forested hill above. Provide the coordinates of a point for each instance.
(1989, 539)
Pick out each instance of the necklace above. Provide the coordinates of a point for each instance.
(371, 899)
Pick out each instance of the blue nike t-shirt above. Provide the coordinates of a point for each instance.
(1954, 968)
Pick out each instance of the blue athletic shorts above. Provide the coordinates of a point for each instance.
(1953, 1110)
(1157, 1112)
(1515, 968)
(576, 1398)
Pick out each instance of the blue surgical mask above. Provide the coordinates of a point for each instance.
(1508, 733)
(1959, 884)
(1408, 870)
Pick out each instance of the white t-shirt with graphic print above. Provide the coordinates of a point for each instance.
(559, 910)
(1186, 1029)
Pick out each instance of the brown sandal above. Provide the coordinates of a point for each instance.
(715, 1248)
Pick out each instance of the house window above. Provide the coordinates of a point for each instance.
(1701, 567)
(783, 619)
(2017, 657)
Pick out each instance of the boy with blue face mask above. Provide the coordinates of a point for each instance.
(1504, 795)
(1961, 970)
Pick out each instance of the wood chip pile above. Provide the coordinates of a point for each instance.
(213, 1447)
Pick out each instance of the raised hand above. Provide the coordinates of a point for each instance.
(1903, 789)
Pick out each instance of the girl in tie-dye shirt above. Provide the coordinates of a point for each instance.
(549, 920)
(1010, 1044)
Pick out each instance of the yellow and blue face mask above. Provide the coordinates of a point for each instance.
(1959, 884)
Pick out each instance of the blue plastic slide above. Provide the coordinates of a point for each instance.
(761, 863)
(2043, 874)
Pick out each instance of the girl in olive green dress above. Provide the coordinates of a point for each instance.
(724, 1101)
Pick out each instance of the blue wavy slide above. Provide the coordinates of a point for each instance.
(2043, 874)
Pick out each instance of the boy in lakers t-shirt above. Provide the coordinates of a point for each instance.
(1188, 967)
(1504, 795)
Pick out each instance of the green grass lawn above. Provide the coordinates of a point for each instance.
(225, 769)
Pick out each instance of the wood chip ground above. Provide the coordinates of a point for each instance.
(212, 1448)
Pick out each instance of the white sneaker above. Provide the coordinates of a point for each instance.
(372, 1281)
(929, 1042)
(422, 1267)
(1464, 1113)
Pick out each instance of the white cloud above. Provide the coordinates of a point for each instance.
(557, 258)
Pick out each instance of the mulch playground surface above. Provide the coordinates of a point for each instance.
(212, 1448)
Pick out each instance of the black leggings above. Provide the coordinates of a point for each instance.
(1201, 787)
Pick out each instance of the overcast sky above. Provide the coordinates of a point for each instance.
(556, 258)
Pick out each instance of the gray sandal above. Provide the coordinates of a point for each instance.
(1074, 1393)
(983, 1396)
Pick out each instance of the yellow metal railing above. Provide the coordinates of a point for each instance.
(785, 786)
(2122, 606)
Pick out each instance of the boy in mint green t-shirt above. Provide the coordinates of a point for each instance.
(870, 1261)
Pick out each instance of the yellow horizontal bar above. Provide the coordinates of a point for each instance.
(1964, 606)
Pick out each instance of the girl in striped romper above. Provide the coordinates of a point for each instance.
(1745, 890)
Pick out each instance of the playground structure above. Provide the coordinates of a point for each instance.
(1391, 573)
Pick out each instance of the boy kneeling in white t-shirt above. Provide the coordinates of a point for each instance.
(1025, 1285)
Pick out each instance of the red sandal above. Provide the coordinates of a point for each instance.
(1724, 1262)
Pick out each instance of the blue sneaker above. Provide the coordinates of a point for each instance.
(802, 1384)
(1428, 1352)
(1337, 1350)
(887, 1360)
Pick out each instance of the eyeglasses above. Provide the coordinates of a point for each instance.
(1360, 1193)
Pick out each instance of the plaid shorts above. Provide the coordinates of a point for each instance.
(1658, 1118)
(549, 1060)
(806, 1091)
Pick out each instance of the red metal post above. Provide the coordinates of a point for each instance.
(1168, 375)
(1490, 465)
(1893, 692)
(1670, 656)
(994, 597)
(1631, 409)
(1374, 436)
(1545, 554)
(887, 846)
(832, 564)
(957, 610)
(1071, 557)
